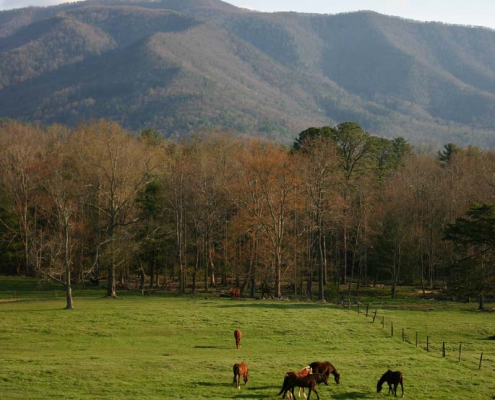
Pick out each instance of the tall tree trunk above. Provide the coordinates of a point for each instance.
(481, 302)
(111, 285)
(68, 285)
(321, 295)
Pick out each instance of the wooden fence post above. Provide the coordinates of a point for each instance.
(392, 329)
(460, 352)
(443, 349)
(374, 316)
(481, 359)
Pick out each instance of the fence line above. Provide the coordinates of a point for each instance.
(428, 347)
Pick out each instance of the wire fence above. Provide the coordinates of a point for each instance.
(459, 352)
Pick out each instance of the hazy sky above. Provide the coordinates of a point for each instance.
(464, 12)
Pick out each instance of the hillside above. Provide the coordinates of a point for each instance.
(183, 65)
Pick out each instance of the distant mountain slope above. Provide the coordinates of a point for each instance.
(182, 65)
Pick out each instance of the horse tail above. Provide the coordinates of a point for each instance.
(284, 387)
(237, 375)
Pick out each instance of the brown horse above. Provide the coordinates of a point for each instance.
(289, 376)
(240, 369)
(238, 336)
(291, 380)
(326, 369)
(234, 293)
(393, 379)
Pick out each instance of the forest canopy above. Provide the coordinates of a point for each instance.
(98, 204)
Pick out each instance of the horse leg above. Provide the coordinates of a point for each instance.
(402, 386)
(395, 389)
(299, 393)
(314, 390)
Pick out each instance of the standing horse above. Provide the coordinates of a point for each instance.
(240, 369)
(291, 380)
(392, 378)
(238, 336)
(326, 369)
(234, 293)
(290, 376)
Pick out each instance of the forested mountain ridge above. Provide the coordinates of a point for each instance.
(179, 66)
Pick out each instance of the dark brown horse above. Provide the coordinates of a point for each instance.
(326, 369)
(291, 380)
(393, 379)
(291, 376)
(238, 336)
(240, 369)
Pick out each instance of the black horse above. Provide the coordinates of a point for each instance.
(393, 378)
(291, 380)
(326, 369)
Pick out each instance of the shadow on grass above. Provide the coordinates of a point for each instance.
(210, 384)
(248, 395)
(244, 392)
(230, 384)
(285, 304)
(352, 395)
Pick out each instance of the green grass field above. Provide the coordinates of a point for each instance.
(163, 346)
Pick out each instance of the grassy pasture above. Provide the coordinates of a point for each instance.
(163, 346)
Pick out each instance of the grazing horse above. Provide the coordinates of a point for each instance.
(326, 369)
(290, 376)
(392, 378)
(234, 293)
(240, 369)
(238, 336)
(291, 380)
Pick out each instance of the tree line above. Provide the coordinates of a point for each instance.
(97, 204)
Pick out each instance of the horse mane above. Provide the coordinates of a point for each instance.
(384, 377)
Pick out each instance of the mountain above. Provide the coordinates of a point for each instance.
(185, 65)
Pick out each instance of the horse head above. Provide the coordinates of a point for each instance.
(306, 371)
(337, 378)
(382, 380)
